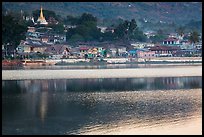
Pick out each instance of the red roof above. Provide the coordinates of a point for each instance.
(171, 39)
(83, 48)
(56, 48)
(164, 48)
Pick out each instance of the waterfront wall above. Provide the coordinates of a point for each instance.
(123, 60)
(177, 59)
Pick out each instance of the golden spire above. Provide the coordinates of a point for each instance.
(41, 19)
(41, 13)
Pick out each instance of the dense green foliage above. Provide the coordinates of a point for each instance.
(13, 31)
(129, 31)
(86, 30)
(70, 20)
(57, 28)
(159, 37)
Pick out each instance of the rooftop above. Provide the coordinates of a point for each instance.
(164, 48)
(171, 39)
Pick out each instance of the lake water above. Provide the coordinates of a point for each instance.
(102, 106)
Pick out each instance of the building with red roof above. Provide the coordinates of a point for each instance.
(164, 50)
(171, 41)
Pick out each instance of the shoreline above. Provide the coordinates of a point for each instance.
(48, 62)
(102, 73)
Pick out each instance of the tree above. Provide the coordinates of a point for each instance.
(13, 31)
(128, 30)
(57, 28)
(121, 30)
(107, 36)
(194, 37)
(139, 36)
(133, 26)
(76, 37)
(157, 38)
(86, 17)
(70, 32)
(70, 20)
(180, 31)
(86, 28)
(135, 33)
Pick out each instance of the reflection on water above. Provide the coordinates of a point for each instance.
(99, 106)
(102, 84)
(43, 106)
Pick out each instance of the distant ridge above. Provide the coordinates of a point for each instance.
(179, 12)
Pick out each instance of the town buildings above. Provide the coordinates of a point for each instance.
(45, 41)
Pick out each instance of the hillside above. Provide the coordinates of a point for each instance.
(149, 15)
(151, 11)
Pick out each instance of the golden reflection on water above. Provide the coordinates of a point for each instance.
(172, 124)
(188, 126)
(43, 105)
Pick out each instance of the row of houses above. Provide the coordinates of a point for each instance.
(30, 48)
(165, 51)
(183, 44)
(174, 39)
(58, 51)
(54, 45)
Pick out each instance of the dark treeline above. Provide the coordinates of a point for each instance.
(13, 31)
(86, 30)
